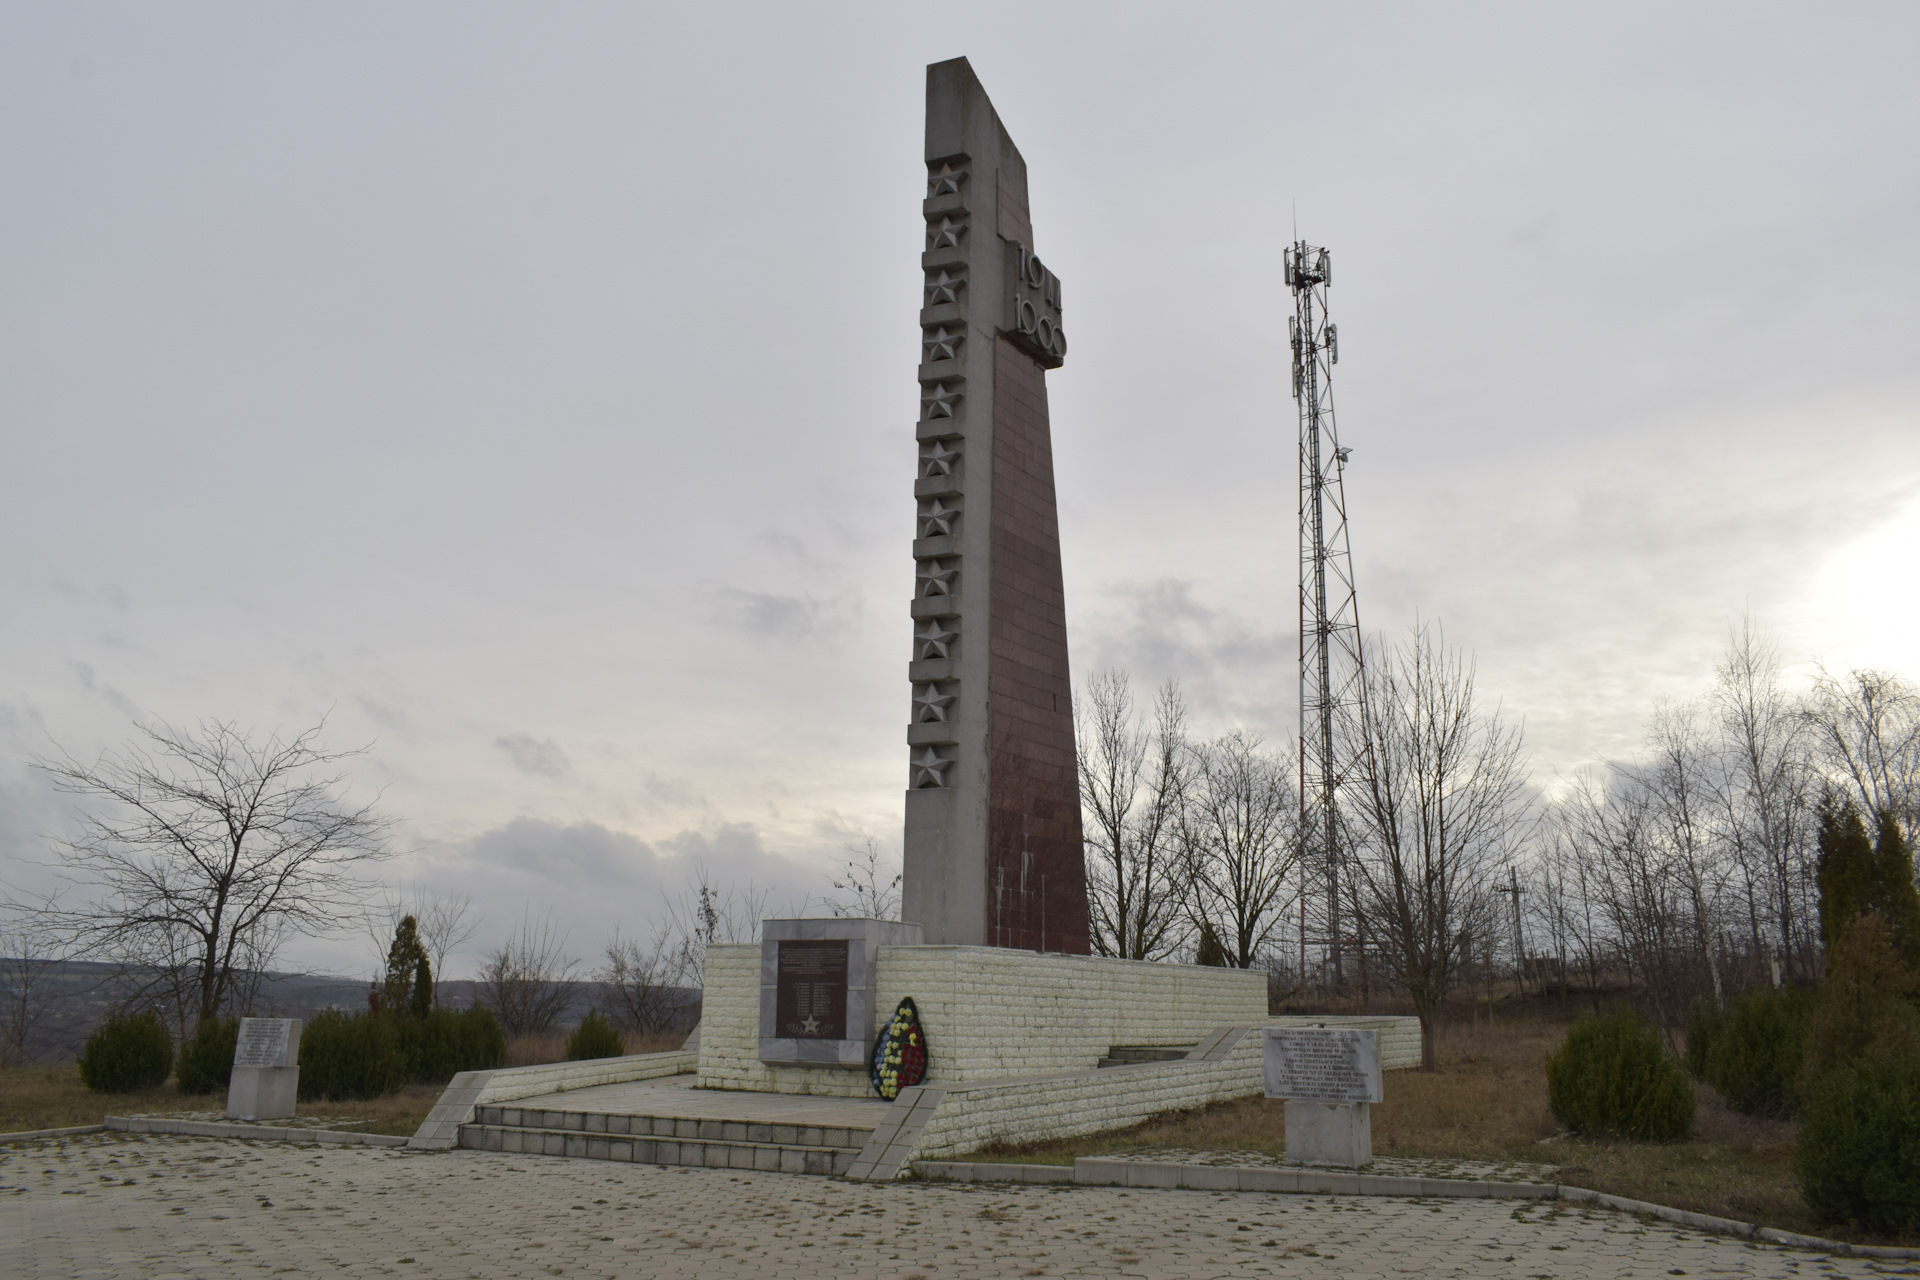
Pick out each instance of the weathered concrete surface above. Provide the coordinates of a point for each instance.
(107, 1205)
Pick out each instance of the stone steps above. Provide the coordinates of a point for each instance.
(762, 1157)
(665, 1140)
(1122, 1054)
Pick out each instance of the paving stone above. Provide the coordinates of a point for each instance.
(130, 1205)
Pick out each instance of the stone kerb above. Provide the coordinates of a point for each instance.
(470, 1089)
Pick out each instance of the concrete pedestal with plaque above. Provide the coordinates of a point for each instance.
(266, 1070)
(1328, 1076)
(816, 988)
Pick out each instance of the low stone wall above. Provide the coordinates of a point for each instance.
(988, 1013)
(469, 1089)
(1227, 1064)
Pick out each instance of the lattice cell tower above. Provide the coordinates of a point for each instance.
(1332, 673)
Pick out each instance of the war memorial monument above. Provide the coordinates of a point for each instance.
(858, 1047)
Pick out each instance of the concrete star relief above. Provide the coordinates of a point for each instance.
(811, 1027)
(946, 182)
(930, 705)
(929, 770)
(946, 235)
(937, 578)
(942, 345)
(944, 287)
(938, 400)
(939, 462)
(938, 519)
(936, 641)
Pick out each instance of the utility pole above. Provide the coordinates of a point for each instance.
(1332, 673)
(1513, 890)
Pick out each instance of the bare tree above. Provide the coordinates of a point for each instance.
(642, 984)
(1241, 840)
(708, 913)
(1866, 738)
(28, 963)
(869, 881)
(1680, 792)
(1764, 793)
(1442, 808)
(199, 851)
(526, 982)
(1133, 782)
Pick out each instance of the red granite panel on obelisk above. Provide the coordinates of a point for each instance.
(1036, 888)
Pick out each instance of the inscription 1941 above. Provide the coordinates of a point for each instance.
(810, 990)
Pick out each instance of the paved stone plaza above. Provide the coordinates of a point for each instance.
(110, 1205)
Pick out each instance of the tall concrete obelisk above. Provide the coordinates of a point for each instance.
(993, 852)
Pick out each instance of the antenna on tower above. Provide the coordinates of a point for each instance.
(1332, 672)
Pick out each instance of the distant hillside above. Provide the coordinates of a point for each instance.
(78, 996)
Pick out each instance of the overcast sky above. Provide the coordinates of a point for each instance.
(532, 386)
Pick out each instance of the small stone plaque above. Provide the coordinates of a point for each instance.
(1322, 1064)
(263, 1042)
(810, 990)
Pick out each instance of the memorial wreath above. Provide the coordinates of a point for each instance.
(900, 1052)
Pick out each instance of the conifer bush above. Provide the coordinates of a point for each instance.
(1859, 1152)
(594, 1038)
(1612, 1077)
(442, 1043)
(1756, 1057)
(130, 1052)
(355, 1055)
(206, 1064)
(1703, 1024)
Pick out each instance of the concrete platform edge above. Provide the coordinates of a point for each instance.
(251, 1132)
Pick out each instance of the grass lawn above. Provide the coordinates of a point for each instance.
(54, 1098)
(1488, 1101)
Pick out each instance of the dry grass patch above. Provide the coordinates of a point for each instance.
(1488, 1102)
(53, 1098)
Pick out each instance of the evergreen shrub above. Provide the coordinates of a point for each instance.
(1612, 1077)
(594, 1038)
(356, 1055)
(130, 1052)
(442, 1043)
(206, 1064)
(1859, 1151)
(1756, 1057)
(1703, 1024)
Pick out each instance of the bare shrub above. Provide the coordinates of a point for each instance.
(527, 981)
(642, 985)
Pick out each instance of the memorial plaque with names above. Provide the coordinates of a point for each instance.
(1322, 1064)
(810, 990)
(263, 1042)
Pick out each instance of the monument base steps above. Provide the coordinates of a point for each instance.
(665, 1140)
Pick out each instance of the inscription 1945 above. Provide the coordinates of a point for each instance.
(810, 990)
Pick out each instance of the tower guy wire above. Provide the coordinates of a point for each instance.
(1332, 667)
